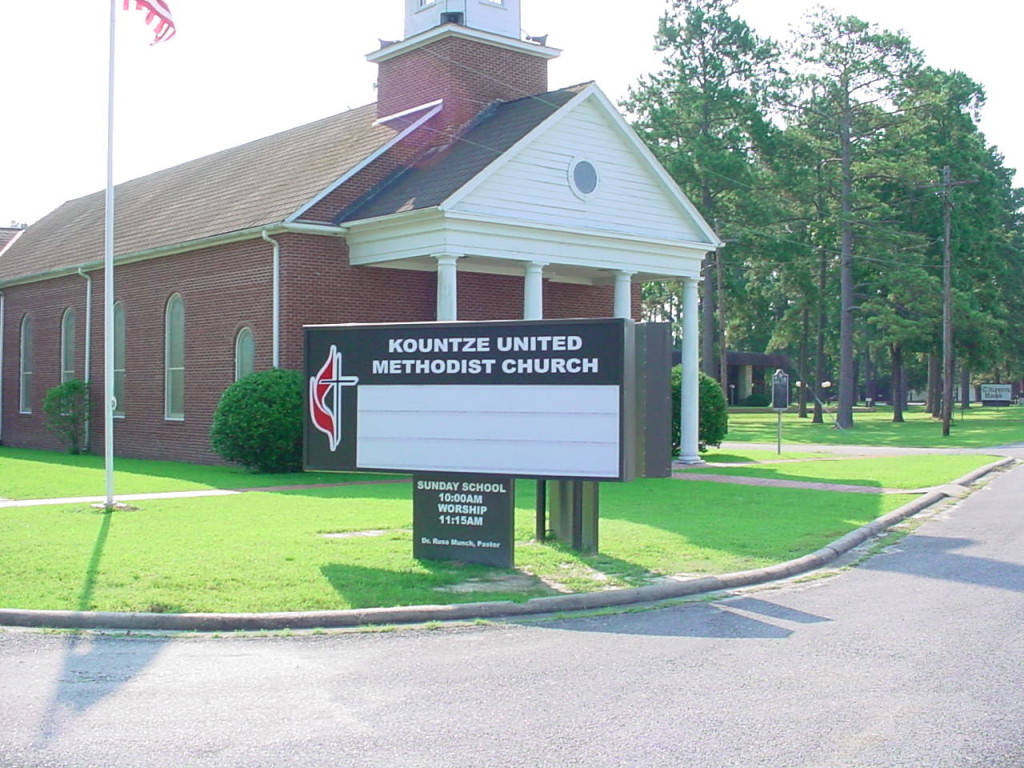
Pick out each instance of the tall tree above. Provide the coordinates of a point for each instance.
(701, 117)
(850, 80)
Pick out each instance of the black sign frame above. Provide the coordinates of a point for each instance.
(340, 359)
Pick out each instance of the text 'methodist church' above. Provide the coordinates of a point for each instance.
(469, 191)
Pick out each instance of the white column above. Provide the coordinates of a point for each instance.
(447, 286)
(623, 295)
(689, 391)
(533, 291)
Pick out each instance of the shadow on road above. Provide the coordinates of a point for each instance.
(741, 618)
(935, 558)
(93, 667)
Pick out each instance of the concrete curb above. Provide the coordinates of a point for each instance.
(664, 590)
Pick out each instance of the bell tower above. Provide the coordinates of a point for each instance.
(499, 17)
(466, 54)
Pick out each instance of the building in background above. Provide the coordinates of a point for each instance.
(469, 191)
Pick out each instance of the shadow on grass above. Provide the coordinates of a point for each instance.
(778, 472)
(92, 668)
(975, 428)
(430, 583)
(93, 568)
(743, 525)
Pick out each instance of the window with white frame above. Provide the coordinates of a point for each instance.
(245, 353)
(67, 346)
(174, 358)
(119, 359)
(25, 382)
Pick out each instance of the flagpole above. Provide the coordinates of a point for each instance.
(108, 279)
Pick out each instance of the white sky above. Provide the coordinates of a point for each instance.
(237, 71)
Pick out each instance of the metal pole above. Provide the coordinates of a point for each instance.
(577, 515)
(541, 531)
(108, 279)
(778, 443)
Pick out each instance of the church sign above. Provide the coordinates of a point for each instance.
(542, 399)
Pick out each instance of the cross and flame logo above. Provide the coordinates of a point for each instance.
(325, 397)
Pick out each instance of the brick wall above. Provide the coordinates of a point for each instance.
(225, 289)
(467, 74)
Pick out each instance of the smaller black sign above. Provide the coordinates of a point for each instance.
(469, 518)
(780, 390)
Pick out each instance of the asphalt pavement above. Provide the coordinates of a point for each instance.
(910, 660)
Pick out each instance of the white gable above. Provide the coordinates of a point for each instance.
(525, 208)
(535, 184)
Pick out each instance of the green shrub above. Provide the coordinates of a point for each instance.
(713, 420)
(757, 400)
(258, 422)
(66, 408)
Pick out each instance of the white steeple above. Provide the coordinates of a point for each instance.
(499, 17)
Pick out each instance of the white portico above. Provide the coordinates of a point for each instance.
(576, 198)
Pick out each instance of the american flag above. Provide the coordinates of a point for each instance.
(158, 15)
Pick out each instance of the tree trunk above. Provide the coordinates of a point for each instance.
(847, 376)
(965, 388)
(802, 354)
(869, 377)
(898, 395)
(708, 362)
(819, 349)
(934, 404)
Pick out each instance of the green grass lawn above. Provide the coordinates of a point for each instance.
(266, 551)
(902, 472)
(28, 474)
(975, 427)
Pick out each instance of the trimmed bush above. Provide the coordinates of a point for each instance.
(713, 420)
(757, 400)
(258, 422)
(66, 408)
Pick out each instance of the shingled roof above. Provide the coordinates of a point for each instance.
(439, 174)
(262, 182)
(7, 236)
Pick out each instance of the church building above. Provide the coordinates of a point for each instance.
(469, 191)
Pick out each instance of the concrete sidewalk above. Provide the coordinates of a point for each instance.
(197, 494)
(666, 589)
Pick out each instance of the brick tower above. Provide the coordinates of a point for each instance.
(466, 53)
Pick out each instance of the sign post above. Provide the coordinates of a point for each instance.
(780, 402)
(465, 407)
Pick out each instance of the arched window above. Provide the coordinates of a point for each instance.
(174, 358)
(245, 353)
(67, 346)
(25, 387)
(119, 359)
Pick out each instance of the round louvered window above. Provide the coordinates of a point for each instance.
(583, 178)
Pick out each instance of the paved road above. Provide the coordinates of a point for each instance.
(914, 659)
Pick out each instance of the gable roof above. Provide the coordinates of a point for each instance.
(445, 178)
(437, 175)
(261, 182)
(8, 235)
